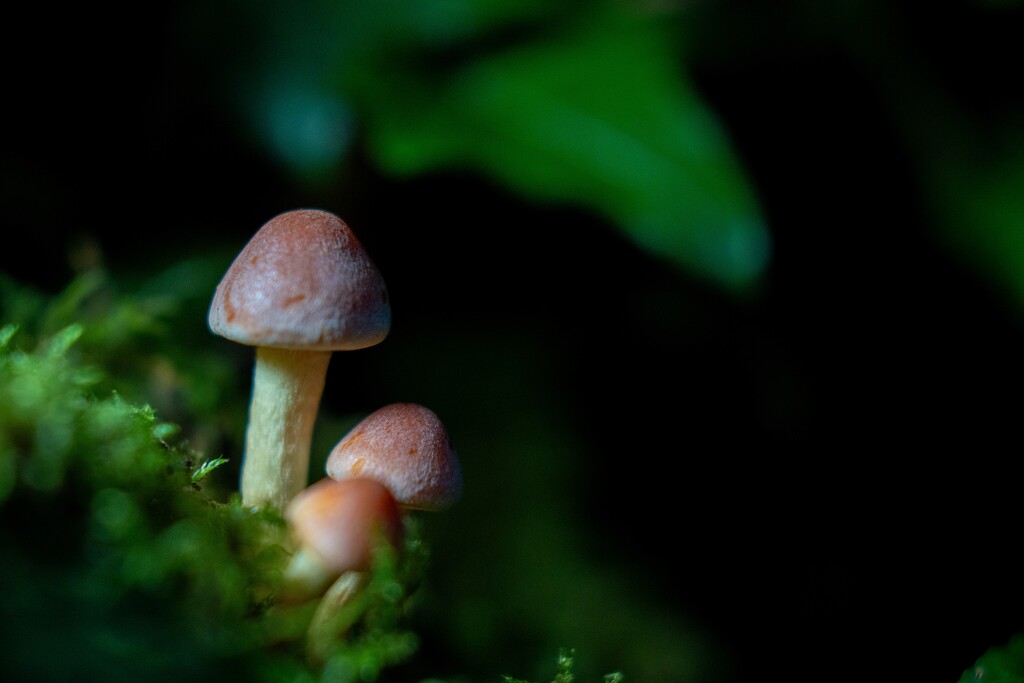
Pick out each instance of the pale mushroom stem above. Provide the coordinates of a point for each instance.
(286, 390)
(327, 624)
(305, 576)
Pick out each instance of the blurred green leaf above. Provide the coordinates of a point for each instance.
(580, 103)
(979, 204)
(600, 116)
(971, 168)
(1002, 664)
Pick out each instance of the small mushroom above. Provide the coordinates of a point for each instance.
(302, 288)
(335, 525)
(406, 447)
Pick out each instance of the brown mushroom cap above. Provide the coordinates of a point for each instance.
(337, 520)
(303, 281)
(405, 447)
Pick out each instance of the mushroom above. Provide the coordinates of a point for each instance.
(335, 525)
(406, 447)
(302, 288)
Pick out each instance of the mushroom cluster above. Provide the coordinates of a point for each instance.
(301, 289)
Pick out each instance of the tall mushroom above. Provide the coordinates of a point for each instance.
(406, 447)
(302, 288)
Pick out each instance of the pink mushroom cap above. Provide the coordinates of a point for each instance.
(338, 521)
(304, 281)
(406, 447)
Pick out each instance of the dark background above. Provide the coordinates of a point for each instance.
(812, 479)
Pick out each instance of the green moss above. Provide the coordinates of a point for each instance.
(125, 552)
(120, 564)
(564, 671)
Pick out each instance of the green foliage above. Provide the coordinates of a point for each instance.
(1002, 664)
(590, 104)
(596, 115)
(144, 336)
(980, 209)
(209, 466)
(970, 168)
(148, 336)
(114, 549)
(577, 103)
(564, 672)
